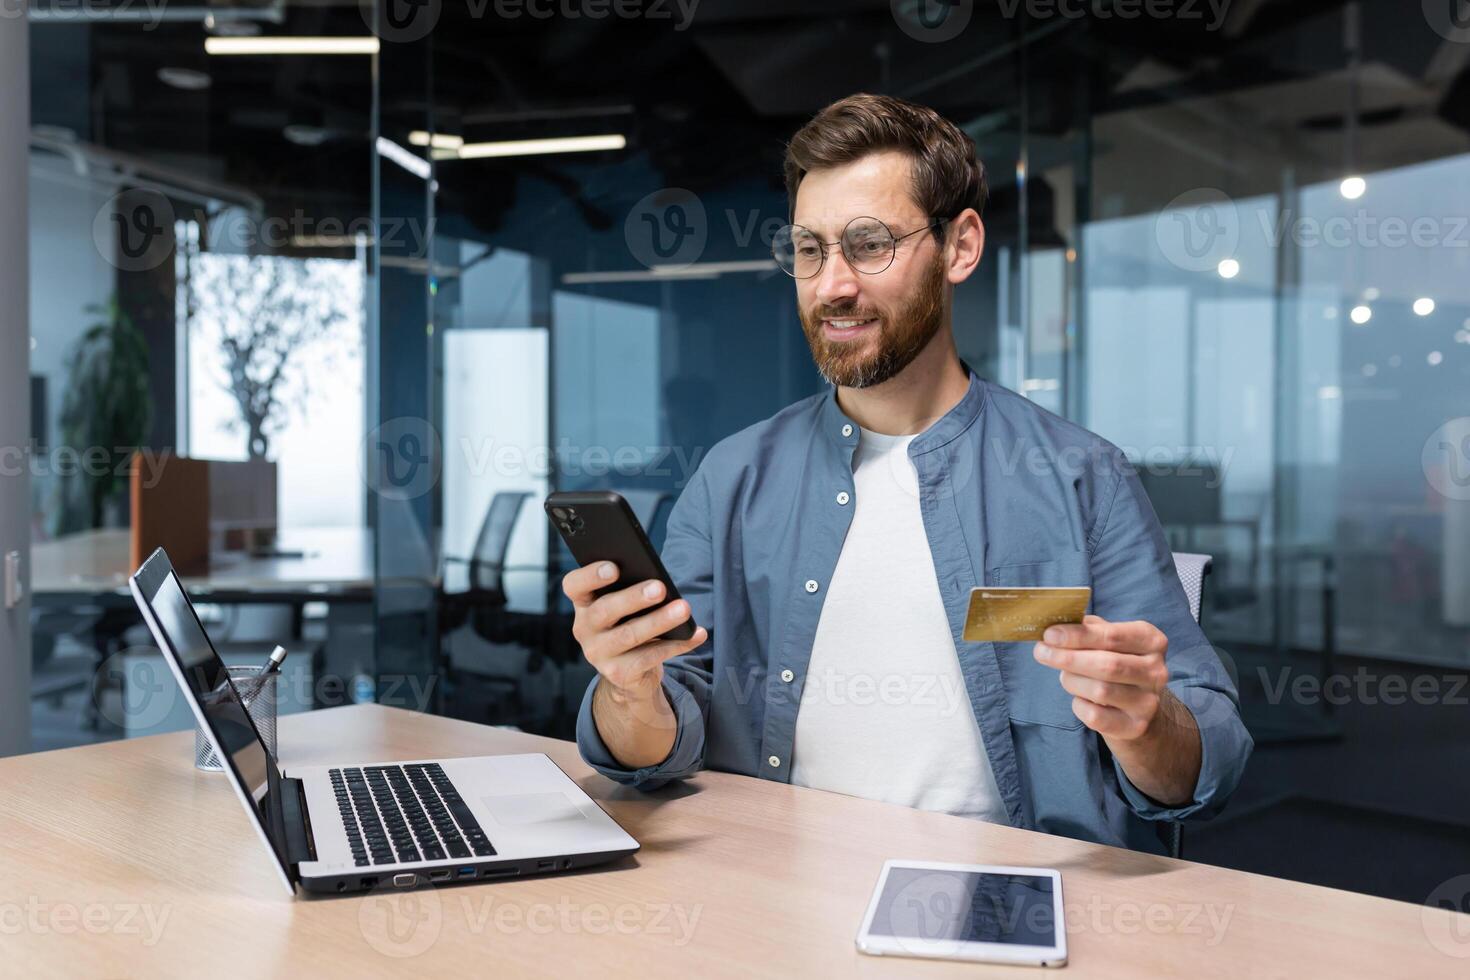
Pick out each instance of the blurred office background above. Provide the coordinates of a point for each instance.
(1233, 242)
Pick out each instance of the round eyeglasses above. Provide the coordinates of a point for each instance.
(867, 244)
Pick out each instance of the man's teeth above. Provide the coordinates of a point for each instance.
(845, 324)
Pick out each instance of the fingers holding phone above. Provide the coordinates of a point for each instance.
(620, 631)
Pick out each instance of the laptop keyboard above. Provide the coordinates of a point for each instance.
(395, 814)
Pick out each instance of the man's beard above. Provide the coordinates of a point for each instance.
(902, 335)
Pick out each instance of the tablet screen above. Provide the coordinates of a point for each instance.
(966, 906)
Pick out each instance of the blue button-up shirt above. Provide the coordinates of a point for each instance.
(1011, 495)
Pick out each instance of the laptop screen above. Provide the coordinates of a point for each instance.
(210, 683)
(177, 629)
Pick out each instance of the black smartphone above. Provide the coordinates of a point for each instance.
(598, 525)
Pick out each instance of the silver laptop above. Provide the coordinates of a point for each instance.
(356, 826)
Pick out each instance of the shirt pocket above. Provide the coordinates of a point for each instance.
(1034, 692)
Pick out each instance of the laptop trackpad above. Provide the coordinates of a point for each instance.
(530, 808)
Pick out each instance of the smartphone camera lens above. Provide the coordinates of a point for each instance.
(558, 513)
(567, 528)
(577, 523)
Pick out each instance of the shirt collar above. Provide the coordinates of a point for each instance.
(842, 430)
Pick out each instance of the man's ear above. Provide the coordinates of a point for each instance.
(964, 244)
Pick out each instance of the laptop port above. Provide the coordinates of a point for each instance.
(566, 863)
(502, 873)
(406, 880)
(466, 872)
(545, 865)
(368, 883)
(439, 875)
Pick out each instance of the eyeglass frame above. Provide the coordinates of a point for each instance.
(933, 225)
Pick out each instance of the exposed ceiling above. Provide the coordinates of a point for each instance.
(713, 100)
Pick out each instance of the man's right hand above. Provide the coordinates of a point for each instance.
(632, 714)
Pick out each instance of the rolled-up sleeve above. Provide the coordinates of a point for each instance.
(688, 557)
(1134, 578)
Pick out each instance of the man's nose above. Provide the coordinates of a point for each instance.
(837, 283)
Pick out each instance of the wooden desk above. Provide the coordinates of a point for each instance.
(737, 876)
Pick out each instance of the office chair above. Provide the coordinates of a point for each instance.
(1192, 570)
(486, 563)
(482, 606)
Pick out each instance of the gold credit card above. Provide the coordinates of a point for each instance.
(1012, 615)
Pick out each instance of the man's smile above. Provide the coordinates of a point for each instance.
(846, 328)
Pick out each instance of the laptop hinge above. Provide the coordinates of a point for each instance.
(298, 822)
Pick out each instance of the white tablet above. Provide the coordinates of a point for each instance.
(976, 912)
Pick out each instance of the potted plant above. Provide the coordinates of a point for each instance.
(106, 414)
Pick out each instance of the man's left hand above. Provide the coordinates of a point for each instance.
(1115, 673)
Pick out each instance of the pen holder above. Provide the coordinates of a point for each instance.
(260, 704)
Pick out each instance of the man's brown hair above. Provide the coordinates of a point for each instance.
(947, 176)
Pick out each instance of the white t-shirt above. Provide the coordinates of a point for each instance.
(884, 712)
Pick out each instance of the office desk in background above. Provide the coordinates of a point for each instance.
(737, 876)
(335, 564)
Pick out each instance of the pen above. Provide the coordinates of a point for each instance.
(272, 665)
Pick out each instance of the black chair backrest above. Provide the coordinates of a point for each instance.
(493, 541)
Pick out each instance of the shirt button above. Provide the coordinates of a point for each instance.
(811, 585)
(843, 498)
(775, 762)
(787, 676)
(847, 430)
